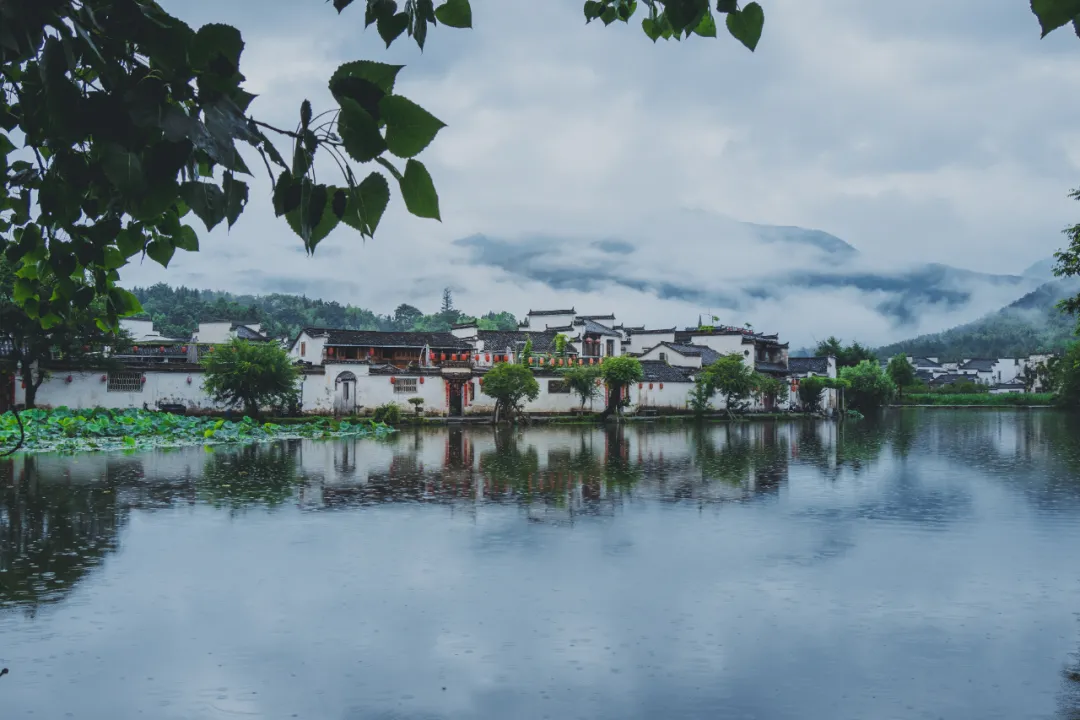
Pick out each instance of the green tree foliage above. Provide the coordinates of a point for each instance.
(700, 398)
(73, 336)
(1066, 378)
(251, 375)
(902, 373)
(618, 373)
(582, 381)
(1068, 264)
(811, 390)
(730, 377)
(846, 355)
(868, 387)
(130, 121)
(497, 321)
(176, 312)
(511, 384)
(1032, 324)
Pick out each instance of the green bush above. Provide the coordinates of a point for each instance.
(389, 413)
(868, 386)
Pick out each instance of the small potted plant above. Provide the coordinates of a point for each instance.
(418, 405)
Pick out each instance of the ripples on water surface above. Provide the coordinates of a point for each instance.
(923, 566)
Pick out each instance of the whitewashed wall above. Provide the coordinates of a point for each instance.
(640, 342)
(313, 349)
(727, 345)
(88, 390)
(672, 396)
(672, 357)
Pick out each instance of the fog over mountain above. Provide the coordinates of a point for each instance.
(782, 279)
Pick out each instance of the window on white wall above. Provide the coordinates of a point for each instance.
(303, 349)
(124, 381)
(663, 357)
(405, 385)
(558, 386)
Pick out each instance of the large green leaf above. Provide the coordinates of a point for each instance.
(1052, 14)
(130, 242)
(124, 302)
(236, 198)
(455, 13)
(746, 25)
(418, 191)
(124, 170)
(359, 132)
(206, 200)
(366, 204)
(381, 74)
(707, 26)
(314, 219)
(390, 27)
(409, 127)
(186, 239)
(160, 250)
(286, 194)
(215, 43)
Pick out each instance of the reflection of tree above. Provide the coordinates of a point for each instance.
(859, 443)
(903, 431)
(51, 534)
(749, 454)
(509, 467)
(264, 474)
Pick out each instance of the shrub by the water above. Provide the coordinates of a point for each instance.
(981, 399)
(389, 413)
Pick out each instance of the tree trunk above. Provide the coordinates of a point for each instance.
(27, 373)
(614, 399)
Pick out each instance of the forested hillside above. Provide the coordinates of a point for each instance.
(176, 312)
(1032, 324)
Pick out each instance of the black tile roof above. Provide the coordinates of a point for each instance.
(596, 317)
(656, 371)
(801, 365)
(376, 338)
(245, 333)
(462, 326)
(496, 341)
(921, 362)
(643, 331)
(535, 313)
(707, 354)
(769, 367)
(595, 328)
(980, 364)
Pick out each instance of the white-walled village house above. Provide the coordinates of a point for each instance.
(355, 371)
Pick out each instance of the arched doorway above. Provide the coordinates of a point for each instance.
(345, 394)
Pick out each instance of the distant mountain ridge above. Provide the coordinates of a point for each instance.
(1029, 325)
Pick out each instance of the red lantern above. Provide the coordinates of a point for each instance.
(487, 357)
(560, 362)
(143, 379)
(161, 349)
(453, 357)
(592, 361)
(104, 378)
(183, 349)
(661, 386)
(86, 348)
(580, 361)
(392, 380)
(551, 361)
(476, 357)
(135, 348)
(640, 385)
(650, 386)
(481, 382)
(188, 379)
(68, 379)
(421, 379)
(442, 356)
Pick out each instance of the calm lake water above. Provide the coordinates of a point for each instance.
(922, 566)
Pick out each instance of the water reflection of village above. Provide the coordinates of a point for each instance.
(61, 516)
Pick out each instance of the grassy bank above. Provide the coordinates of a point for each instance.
(979, 399)
(63, 430)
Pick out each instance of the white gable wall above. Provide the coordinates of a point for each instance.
(672, 357)
(640, 342)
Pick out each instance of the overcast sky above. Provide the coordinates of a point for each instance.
(919, 132)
